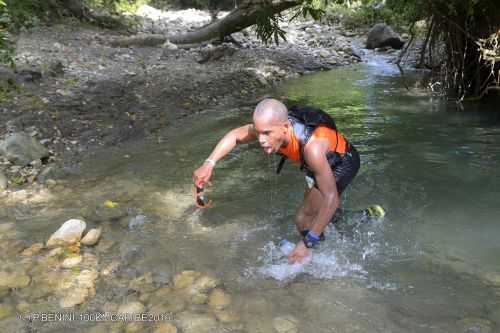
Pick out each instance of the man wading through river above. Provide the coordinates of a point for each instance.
(307, 136)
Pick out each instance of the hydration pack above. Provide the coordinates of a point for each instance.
(304, 121)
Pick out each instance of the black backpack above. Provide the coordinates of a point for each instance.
(304, 121)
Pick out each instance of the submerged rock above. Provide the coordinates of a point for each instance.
(3, 181)
(165, 328)
(14, 280)
(21, 149)
(35, 248)
(196, 323)
(219, 300)
(475, 325)
(137, 221)
(92, 237)
(5, 311)
(286, 324)
(69, 233)
(185, 278)
(131, 308)
(78, 289)
(72, 261)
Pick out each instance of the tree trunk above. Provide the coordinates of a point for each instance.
(240, 18)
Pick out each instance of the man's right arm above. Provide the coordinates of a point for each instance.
(236, 136)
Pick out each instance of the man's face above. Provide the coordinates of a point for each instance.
(271, 134)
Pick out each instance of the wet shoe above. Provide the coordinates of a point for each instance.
(375, 211)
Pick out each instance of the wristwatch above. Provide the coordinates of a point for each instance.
(310, 240)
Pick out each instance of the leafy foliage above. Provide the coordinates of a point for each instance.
(6, 50)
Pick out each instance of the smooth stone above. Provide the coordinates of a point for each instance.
(475, 325)
(5, 311)
(105, 245)
(143, 283)
(92, 237)
(196, 323)
(69, 233)
(12, 247)
(205, 284)
(131, 308)
(110, 268)
(76, 296)
(72, 261)
(14, 280)
(199, 299)
(165, 328)
(6, 228)
(219, 300)
(137, 221)
(23, 307)
(226, 316)
(185, 278)
(286, 324)
(35, 248)
(78, 289)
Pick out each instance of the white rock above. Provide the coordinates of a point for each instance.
(69, 233)
(92, 237)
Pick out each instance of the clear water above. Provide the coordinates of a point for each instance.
(430, 263)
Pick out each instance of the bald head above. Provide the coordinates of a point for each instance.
(271, 111)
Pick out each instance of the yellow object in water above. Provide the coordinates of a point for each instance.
(110, 204)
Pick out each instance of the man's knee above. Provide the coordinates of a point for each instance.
(304, 219)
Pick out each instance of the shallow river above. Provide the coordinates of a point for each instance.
(431, 265)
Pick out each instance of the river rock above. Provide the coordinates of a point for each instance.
(11, 247)
(286, 324)
(143, 284)
(71, 261)
(226, 316)
(219, 300)
(203, 284)
(131, 308)
(69, 233)
(382, 35)
(165, 328)
(196, 323)
(21, 149)
(14, 280)
(92, 237)
(475, 325)
(137, 221)
(76, 296)
(185, 278)
(35, 248)
(3, 181)
(5, 311)
(78, 289)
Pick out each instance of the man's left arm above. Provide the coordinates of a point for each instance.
(315, 156)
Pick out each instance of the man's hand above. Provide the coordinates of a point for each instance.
(202, 174)
(299, 254)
